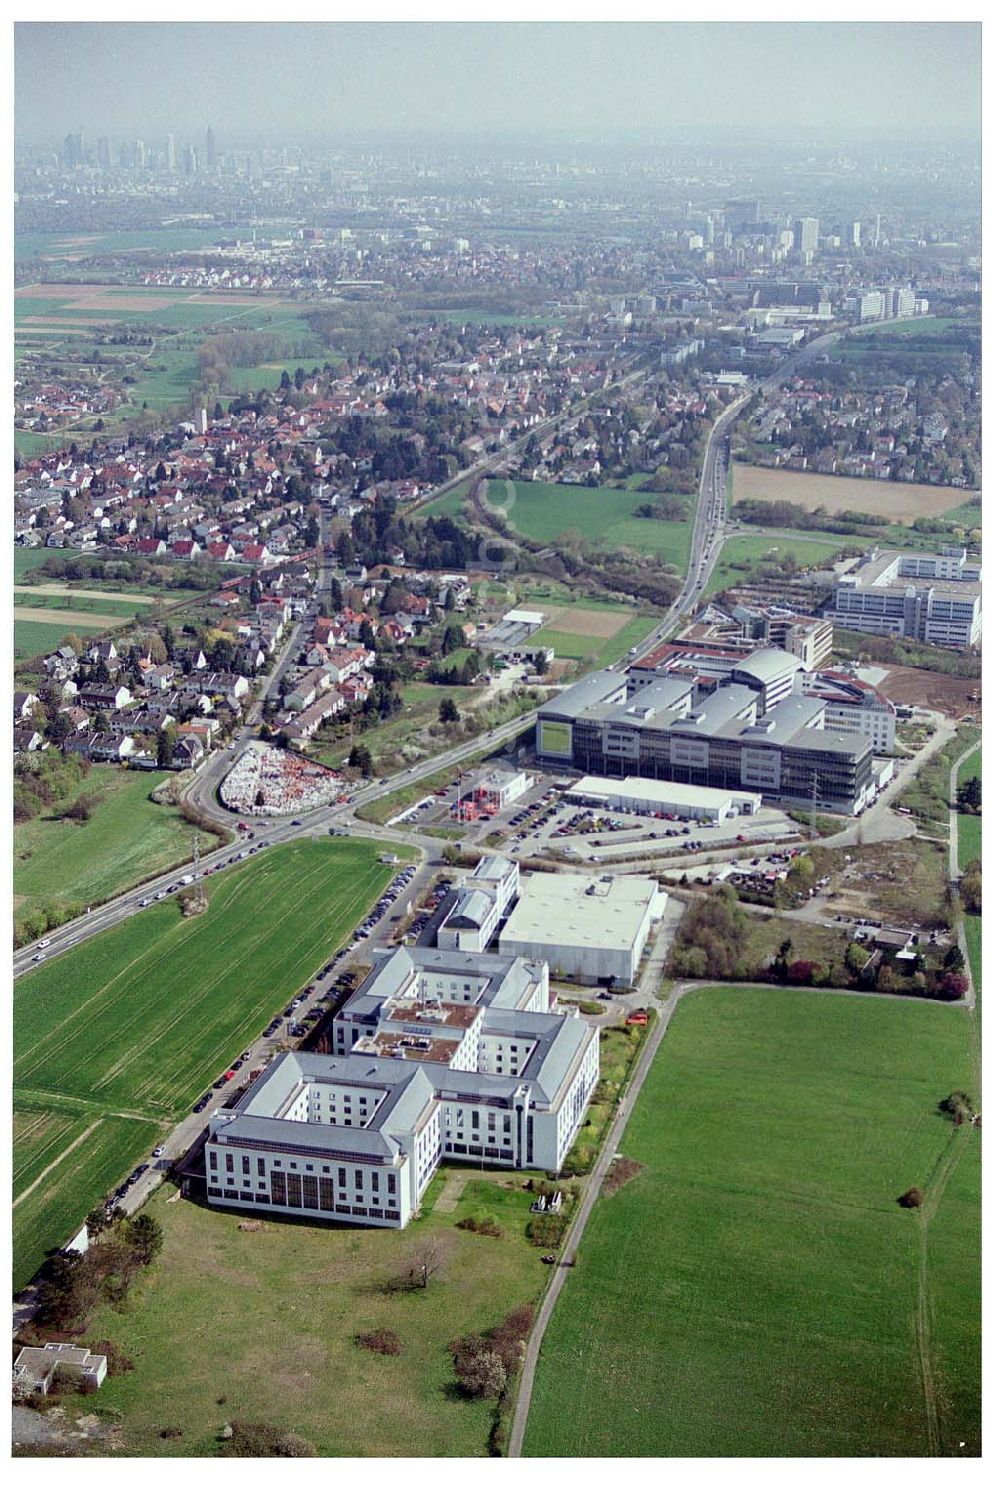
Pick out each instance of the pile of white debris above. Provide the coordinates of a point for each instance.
(273, 782)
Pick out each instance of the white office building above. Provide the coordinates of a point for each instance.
(935, 598)
(437, 1055)
(480, 904)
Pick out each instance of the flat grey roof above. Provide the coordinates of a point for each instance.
(580, 911)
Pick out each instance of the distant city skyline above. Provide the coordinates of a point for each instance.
(518, 82)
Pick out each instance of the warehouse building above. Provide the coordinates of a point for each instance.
(640, 794)
(439, 1056)
(590, 929)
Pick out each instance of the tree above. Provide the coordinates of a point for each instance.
(361, 758)
(855, 959)
(145, 1236)
(447, 712)
(256, 593)
(971, 888)
(953, 986)
(424, 1264)
(970, 794)
(954, 960)
(166, 743)
(336, 596)
(781, 961)
(482, 1374)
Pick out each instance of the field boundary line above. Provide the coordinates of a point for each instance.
(60, 1158)
(938, 1181)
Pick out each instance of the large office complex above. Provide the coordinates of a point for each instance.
(436, 1055)
(937, 598)
(750, 730)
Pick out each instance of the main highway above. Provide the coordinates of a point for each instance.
(708, 537)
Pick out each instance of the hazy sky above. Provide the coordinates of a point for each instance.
(495, 80)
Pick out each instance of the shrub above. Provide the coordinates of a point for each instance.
(486, 1226)
(952, 986)
(260, 1440)
(171, 1432)
(118, 1362)
(380, 1341)
(479, 1370)
(957, 1103)
(546, 1230)
(912, 1198)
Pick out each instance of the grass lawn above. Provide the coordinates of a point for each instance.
(449, 504)
(740, 554)
(970, 838)
(139, 1019)
(86, 1153)
(37, 638)
(127, 839)
(544, 511)
(307, 1290)
(974, 940)
(602, 652)
(27, 559)
(754, 1291)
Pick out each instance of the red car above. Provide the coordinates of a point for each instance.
(637, 1018)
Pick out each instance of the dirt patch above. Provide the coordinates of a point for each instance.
(76, 588)
(117, 303)
(878, 497)
(949, 695)
(68, 618)
(622, 1171)
(222, 299)
(600, 623)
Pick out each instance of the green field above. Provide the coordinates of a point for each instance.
(591, 649)
(449, 504)
(970, 839)
(86, 1153)
(754, 1292)
(970, 827)
(38, 638)
(127, 839)
(306, 1290)
(741, 553)
(542, 512)
(139, 1019)
(974, 940)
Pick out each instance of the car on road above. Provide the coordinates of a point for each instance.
(45, 943)
(38, 958)
(158, 1152)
